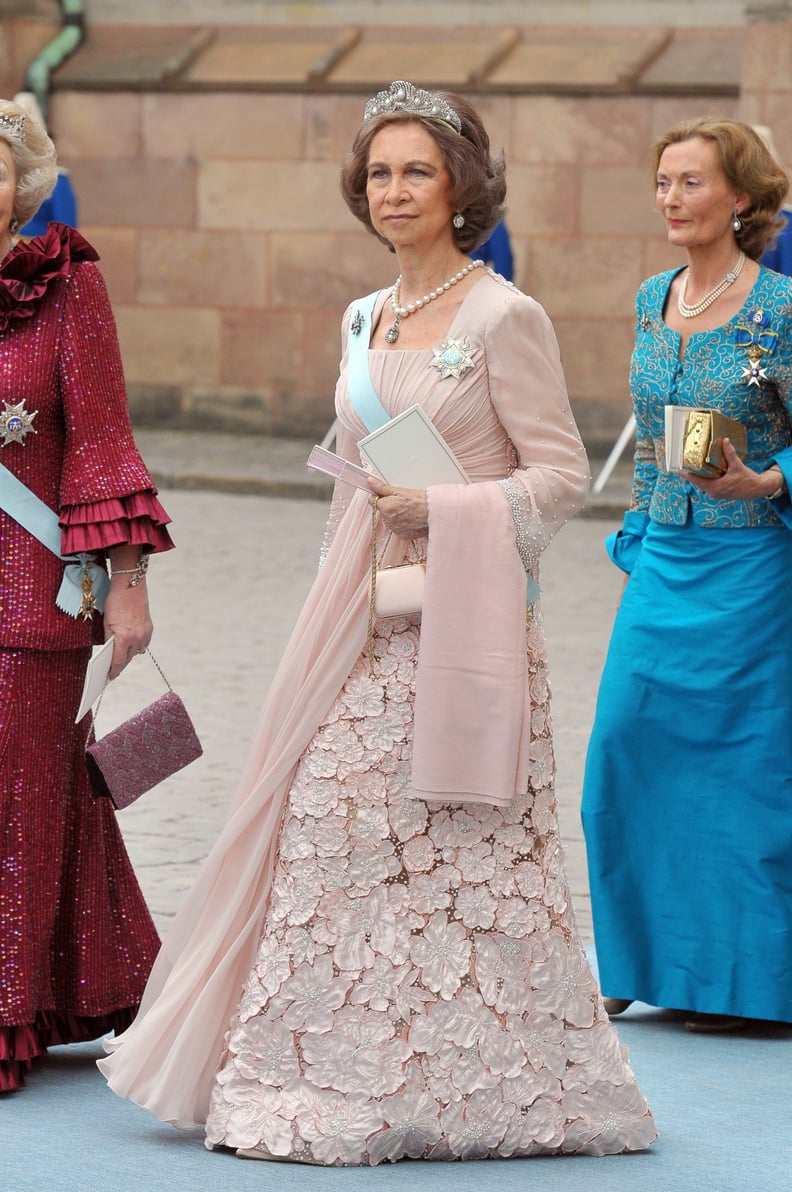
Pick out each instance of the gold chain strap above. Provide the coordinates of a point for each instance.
(95, 710)
(373, 592)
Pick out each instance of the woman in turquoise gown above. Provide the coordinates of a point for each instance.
(687, 802)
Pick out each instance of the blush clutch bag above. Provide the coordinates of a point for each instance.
(156, 742)
(398, 591)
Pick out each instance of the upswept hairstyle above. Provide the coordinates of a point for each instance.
(35, 161)
(749, 166)
(478, 180)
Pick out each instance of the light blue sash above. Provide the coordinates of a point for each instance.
(362, 393)
(39, 520)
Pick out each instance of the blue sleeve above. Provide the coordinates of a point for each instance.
(779, 256)
(782, 506)
(60, 207)
(496, 250)
(624, 546)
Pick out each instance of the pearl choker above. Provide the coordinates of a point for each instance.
(690, 312)
(404, 312)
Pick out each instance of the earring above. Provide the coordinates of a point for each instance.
(737, 222)
(459, 220)
(13, 227)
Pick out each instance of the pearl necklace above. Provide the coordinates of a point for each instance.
(404, 312)
(690, 312)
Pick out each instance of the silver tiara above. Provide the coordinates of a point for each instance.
(404, 97)
(13, 126)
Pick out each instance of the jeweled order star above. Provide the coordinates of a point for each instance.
(754, 374)
(15, 423)
(453, 357)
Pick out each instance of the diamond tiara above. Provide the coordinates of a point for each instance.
(13, 126)
(404, 97)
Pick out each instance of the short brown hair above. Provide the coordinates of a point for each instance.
(478, 180)
(749, 166)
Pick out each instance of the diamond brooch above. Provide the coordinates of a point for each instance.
(15, 423)
(453, 358)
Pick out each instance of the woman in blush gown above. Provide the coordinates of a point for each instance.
(379, 959)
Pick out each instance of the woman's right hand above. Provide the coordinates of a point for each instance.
(738, 482)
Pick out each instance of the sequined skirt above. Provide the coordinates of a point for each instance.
(76, 939)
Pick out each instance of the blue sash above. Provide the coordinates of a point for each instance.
(39, 520)
(362, 393)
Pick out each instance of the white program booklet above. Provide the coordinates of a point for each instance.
(95, 676)
(676, 418)
(410, 452)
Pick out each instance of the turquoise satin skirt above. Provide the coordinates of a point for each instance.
(687, 801)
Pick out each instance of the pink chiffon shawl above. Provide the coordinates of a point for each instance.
(471, 733)
(166, 1061)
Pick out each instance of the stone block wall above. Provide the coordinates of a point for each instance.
(230, 255)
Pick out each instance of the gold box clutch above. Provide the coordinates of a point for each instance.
(693, 440)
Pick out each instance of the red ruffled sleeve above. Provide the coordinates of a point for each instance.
(136, 520)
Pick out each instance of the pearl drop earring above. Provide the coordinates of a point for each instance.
(737, 222)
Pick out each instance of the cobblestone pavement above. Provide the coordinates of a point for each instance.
(224, 603)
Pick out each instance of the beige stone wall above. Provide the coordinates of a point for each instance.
(230, 255)
(417, 12)
(766, 82)
(24, 30)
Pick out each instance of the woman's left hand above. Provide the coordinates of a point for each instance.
(404, 510)
(126, 618)
(737, 483)
(126, 611)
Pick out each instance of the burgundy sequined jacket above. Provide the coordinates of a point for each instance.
(60, 366)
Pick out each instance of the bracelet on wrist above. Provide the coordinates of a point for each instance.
(138, 572)
(782, 485)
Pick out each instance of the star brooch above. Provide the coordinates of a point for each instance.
(15, 423)
(453, 358)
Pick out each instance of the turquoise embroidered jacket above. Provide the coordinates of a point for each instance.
(714, 372)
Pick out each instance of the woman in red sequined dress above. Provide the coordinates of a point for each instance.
(76, 939)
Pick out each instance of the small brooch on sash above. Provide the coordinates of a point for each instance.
(15, 423)
(759, 341)
(453, 358)
(357, 323)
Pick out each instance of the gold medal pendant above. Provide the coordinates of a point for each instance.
(15, 423)
(88, 606)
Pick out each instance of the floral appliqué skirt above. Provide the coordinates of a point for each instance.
(419, 989)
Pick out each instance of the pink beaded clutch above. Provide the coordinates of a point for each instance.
(158, 741)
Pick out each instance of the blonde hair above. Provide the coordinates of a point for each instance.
(35, 160)
(749, 166)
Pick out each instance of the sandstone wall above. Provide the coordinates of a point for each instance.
(230, 255)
